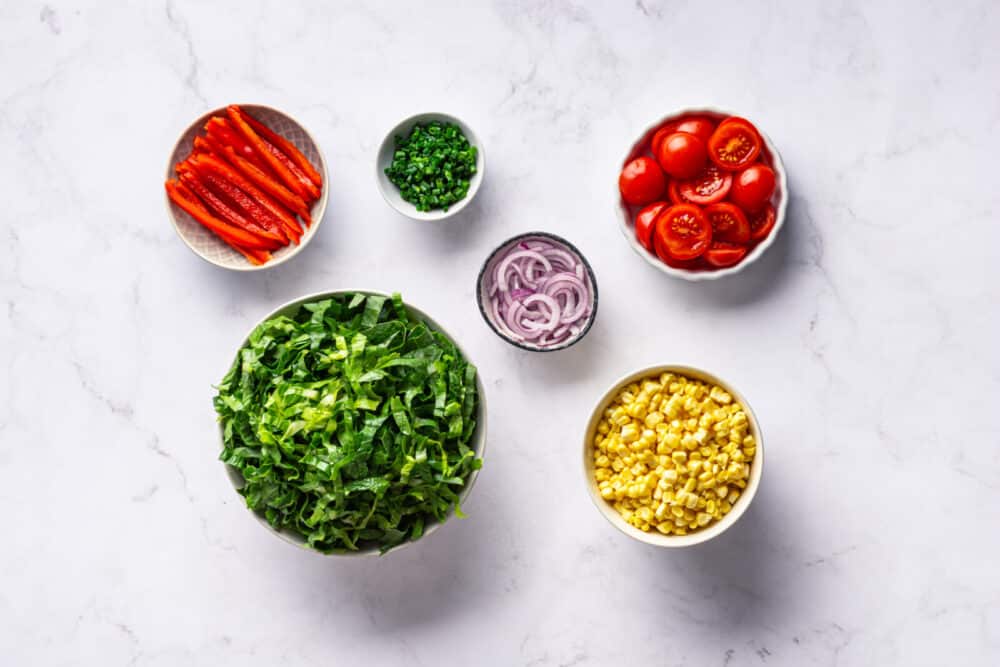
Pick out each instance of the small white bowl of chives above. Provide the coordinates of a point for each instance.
(429, 195)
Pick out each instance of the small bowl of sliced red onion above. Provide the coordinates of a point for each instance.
(538, 292)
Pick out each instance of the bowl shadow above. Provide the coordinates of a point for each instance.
(740, 578)
(447, 572)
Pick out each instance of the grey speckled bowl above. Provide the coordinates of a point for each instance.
(210, 247)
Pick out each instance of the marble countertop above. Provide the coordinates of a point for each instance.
(865, 339)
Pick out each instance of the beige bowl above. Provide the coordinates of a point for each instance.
(478, 443)
(654, 537)
(207, 245)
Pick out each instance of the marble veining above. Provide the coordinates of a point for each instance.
(864, 339)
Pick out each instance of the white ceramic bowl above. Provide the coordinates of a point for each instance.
(482, 298)
(478, 443)
(210, 247)
(655, 537)
(626, 221)
(391, 193)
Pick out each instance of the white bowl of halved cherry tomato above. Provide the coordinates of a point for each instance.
(702, 194)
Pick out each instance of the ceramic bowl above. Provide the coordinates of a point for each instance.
(655, 537)
(482, 298)
(626, 213)
(478, 443)
(207, 245)
(391, 193)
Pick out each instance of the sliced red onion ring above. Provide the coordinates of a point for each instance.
(539, 293)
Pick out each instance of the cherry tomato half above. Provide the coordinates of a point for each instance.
(696, 125)
(659, 136)
(644, 223)
(642, 181)
(711, 185)
(682, 155)
(734, 144)
(674, 192)
(753, 187)
(761, 223)
(723, 254)
(683, 231)
(729, 223)
(661, 252)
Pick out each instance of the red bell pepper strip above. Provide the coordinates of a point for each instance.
(251, 208)
(233, 236)
(225, 210)
(222, 170)
(223, 132)
(265, 182)
(259, 145)
(285, 146)
(299, 175)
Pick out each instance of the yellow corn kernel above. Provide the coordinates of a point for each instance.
(703, 518)
(733, 495)
(665, 527)
(679, 457)
(689, 485)
(607, 493)
(602, 461)
(722, 491)
(603, 427)
(602, 474)
(629, 433)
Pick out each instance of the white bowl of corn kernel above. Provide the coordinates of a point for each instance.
(672, 455)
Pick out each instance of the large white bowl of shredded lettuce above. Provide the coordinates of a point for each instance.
(351, 423)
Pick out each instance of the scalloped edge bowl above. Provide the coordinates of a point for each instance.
(625, 222)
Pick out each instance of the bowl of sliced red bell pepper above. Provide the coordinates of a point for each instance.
(246, 187)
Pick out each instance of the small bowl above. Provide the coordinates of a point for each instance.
(478, 443)
(655, 537)
(627, 223)
(210, 247)
(391, 193)
(482, 298)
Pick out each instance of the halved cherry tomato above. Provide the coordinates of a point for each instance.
(734, 144)
(708, 187)
(729, 223)
(683, 231)
(696, 125)
(665, 257)
(644, 223)
(723, 254)
(682, 155)
(674, 192)
(642, 181)
(761, 223)
(659, 136)
(753, 187)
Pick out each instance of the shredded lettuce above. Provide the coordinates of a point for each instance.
(351, 423)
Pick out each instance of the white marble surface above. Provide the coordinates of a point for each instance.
(865, 339)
